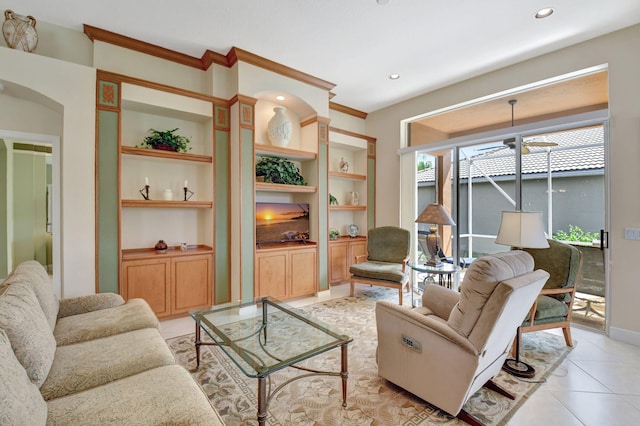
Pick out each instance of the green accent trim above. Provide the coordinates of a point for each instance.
(4, 178)
(222, 283)
(107, 201)
(371, 192)
(108, 94)
(31, 147)
(221, 116)
(247, 215)
(246, 115)
(323, 217)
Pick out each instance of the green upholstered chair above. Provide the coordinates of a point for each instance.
(386, 262)
(552, 308)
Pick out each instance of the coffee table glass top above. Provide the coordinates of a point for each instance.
(267, 335)
(444, 268)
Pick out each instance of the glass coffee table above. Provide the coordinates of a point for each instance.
(267, 336)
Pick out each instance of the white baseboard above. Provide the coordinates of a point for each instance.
(626, 336)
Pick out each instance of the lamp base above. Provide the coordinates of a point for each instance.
(518, 368)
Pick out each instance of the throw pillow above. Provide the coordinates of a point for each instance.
(28, 330)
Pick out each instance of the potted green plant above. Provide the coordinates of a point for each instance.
(334, 234)
(166, 140)
(279, 170)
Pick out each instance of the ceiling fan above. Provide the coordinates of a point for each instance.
(524, 146)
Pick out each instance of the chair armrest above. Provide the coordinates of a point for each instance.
(361, 258)
(440, 300)
(430, 324)
(89, 303)
(561, 290)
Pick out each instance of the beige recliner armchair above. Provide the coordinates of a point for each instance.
(447, 349)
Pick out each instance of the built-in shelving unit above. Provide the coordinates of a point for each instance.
(357, 181)
(151, 196)
(286, 270)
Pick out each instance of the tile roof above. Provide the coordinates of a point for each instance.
(577, 150)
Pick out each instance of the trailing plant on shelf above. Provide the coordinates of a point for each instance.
(279, 170)
(166, 140)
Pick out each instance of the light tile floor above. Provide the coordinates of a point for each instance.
(597, 384)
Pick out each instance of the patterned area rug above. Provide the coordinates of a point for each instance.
(371, 400)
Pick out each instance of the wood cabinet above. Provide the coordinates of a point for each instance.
(285, 272)
(342, 254)
(173, 283)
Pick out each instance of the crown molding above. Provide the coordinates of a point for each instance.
(354, 134)
(208, 57)
(347, 110)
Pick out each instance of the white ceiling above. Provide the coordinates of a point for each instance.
(355, 44)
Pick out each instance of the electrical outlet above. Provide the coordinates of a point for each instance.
(632, 233)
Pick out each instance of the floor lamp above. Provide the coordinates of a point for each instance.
(435, 214)
(520, 229)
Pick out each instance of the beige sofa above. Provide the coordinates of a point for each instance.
(92, 360)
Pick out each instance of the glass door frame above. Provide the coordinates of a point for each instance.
(408, 198)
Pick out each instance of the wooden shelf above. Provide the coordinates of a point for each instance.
(145, 253)
(277, 187)
(352, 176)
(291, 154)
(158, 153)
(348, 208)
(167, 204)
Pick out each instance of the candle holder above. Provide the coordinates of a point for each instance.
(145, 192)
(187, 194)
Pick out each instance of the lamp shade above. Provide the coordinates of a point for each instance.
(436, 214)
(522, 230)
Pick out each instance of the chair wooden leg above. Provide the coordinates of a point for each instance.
(567, 335)
(400, 295)
(469, 419)
(499, 389)
(351, 292)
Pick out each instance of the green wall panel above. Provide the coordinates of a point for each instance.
(323, 216)
(371, 193)
(222, 202)
(4, 181)
(247, 213)
(108, 201)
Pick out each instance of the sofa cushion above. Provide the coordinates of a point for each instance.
(85, 365)
(380, 271)
(35, 276)
(28, 331)
(20, 401)
(161, 396)
(133, 315)
(480, 280)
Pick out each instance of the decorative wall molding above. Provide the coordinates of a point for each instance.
(208, 57)
(354, 134)
(347, 110)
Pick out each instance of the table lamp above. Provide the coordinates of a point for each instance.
(520, 229)
(435, 214)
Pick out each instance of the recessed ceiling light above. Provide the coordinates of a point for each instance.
(280, 98)
(543, 13)
(394, 76)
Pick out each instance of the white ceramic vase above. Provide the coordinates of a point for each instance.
(279, 128)
(20, 31)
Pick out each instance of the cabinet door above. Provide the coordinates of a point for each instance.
(149, 279)
(338, 266)
(191, 284)
(271, 274)
(303, 272)
(356, 248)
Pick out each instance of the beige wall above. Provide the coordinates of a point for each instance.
(72, 88)
(618, 50)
